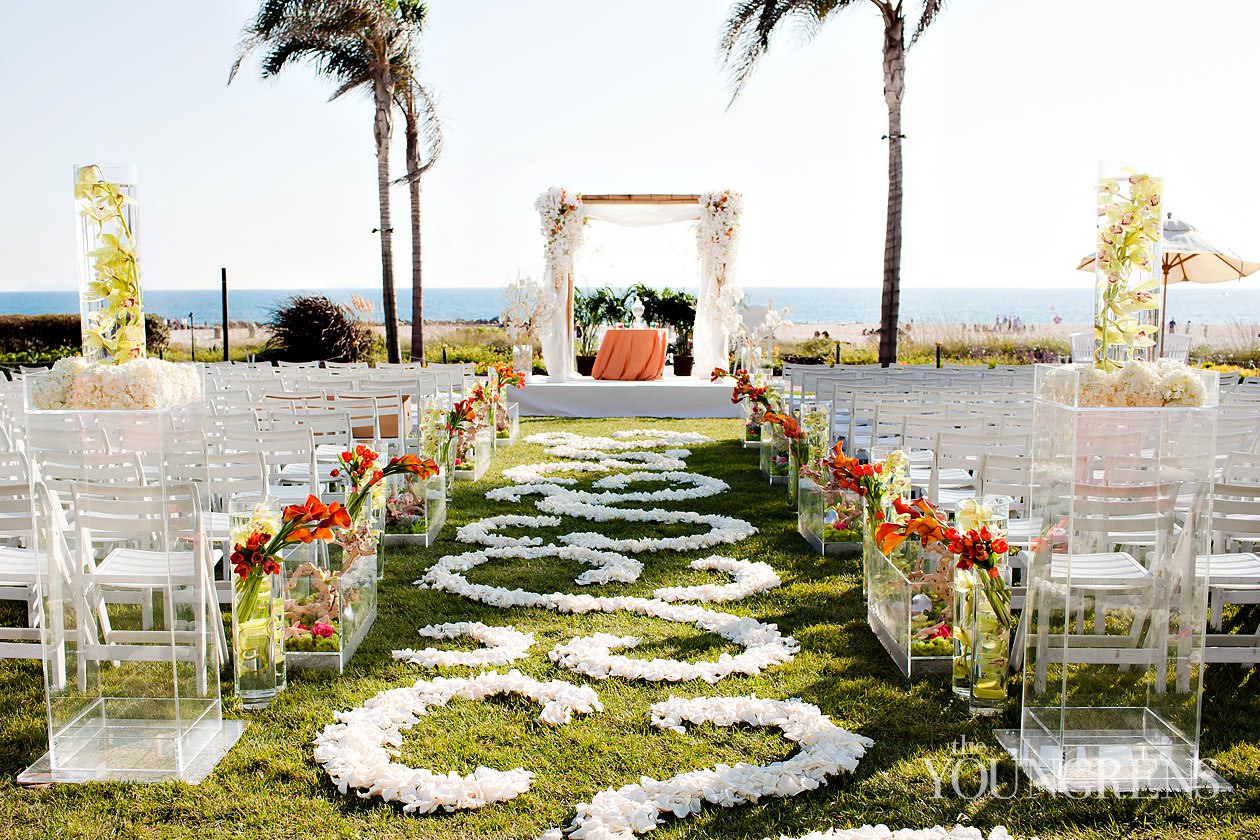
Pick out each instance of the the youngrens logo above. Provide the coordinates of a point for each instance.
(972, 772)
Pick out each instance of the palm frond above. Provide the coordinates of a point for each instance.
(424, 111)
(931, 8)
(747, 31)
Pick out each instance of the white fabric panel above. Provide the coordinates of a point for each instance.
(670, 397)
(555, 329)
(642, 215)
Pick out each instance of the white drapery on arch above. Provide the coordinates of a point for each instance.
(717, 215)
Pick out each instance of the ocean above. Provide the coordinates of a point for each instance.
(1226, 303)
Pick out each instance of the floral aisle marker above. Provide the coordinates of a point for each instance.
(826, 751)
(359, 749)
(503, 645)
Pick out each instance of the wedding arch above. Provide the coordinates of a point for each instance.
(564, 213)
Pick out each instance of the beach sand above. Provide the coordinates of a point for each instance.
(857, 335)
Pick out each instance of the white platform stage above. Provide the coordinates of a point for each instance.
(584, 397)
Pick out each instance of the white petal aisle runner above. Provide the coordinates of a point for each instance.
(358, 750)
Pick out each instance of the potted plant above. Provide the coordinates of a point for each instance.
(592, 310)
(678, 310)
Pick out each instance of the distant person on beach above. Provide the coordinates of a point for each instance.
(1172, 325)
(825, 334)
(817, 334)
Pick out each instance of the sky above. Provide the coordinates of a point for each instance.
(1009, 108)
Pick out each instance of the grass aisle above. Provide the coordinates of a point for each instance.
(269, 784)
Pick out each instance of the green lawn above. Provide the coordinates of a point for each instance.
(269, 784)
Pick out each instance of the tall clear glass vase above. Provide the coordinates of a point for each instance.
(1128, 274)
(989, 667)
(111, 303)
(798, 456)
(258, 662)
(965, 584)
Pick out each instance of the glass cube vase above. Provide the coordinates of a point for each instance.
(472, 456)
(507, 424)
(1115, 610)
(416, 511)
(329, 605)
(909, 599)
(830, 519)
(752, 424)
(132, 637)
(774, 453)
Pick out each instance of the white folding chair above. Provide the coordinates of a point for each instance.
(153, 543)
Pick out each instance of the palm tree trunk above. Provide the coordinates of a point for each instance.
(894, 86)
(382, 90)
(417, 271)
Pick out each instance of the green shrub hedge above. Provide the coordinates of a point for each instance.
(34, 339)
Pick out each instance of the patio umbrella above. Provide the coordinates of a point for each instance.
(1189, 257)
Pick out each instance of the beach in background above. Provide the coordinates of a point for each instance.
(1236, 302)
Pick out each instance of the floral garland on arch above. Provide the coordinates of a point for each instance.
(720, 299)
(561, 219)
(359, 748)
(826, 751)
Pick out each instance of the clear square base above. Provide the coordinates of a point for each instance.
(1148, 755)
(99, 745)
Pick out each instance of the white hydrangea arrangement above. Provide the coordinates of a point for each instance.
(141, 384)
(1138, 384)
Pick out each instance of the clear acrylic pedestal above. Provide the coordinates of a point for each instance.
(132, 635)
(1115, 614)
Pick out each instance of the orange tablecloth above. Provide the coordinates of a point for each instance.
(631, 354)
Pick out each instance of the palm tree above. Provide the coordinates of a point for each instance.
(420, 114)
(341, 38)
(747, 38)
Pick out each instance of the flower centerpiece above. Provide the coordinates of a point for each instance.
(1127, 266)
(113, 373)
(1127, 318)
(757, 400)
(464, 451)
(110, 299)
(257, 602)
(491, 396)
(927, 570)
(797, 451)
(983, 624)
(367, 496)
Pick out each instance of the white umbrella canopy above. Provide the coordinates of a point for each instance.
(1189, 257)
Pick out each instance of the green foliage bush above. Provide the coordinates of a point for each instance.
(670, 308)
(313, 328)
(39, 339)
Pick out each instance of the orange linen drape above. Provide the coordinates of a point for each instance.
(631, 354)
